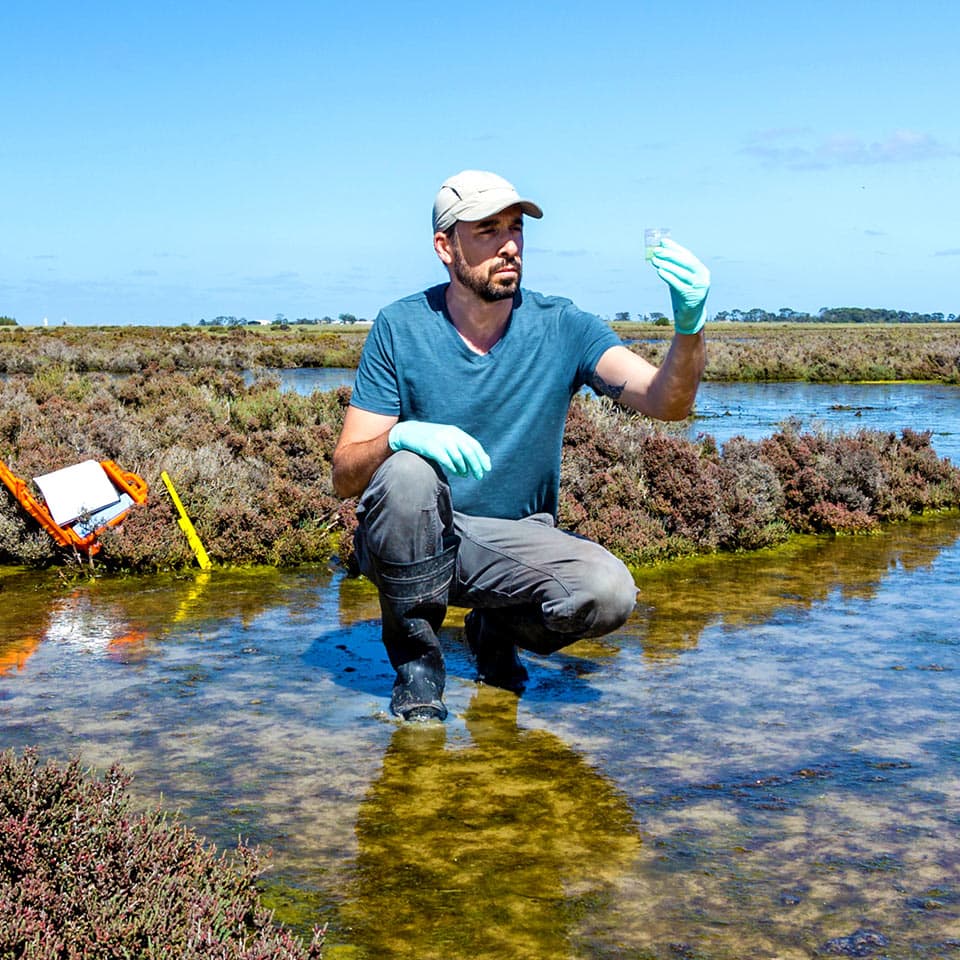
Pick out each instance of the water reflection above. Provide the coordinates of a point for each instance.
(766, 756)
(72, 618)
(24, 615)
(760, 585)
(490, 846)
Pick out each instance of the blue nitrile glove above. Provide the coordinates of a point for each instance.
(689, 282)
(449, 446)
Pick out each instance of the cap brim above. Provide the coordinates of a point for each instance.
(531, 209)
(475, 208)
(493, 205)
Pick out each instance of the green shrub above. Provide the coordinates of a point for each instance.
(252, 465)
(82, 876)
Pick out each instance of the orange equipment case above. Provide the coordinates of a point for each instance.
(126, 483)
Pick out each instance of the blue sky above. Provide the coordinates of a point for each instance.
(163, 163)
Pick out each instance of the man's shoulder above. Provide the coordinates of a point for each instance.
(532, 300)
(566, 312)
(416, 304)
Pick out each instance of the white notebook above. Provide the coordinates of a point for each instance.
(74, 491)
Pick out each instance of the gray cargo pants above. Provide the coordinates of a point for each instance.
(568, 587)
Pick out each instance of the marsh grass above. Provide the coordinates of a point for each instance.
(817, 352)
(124, 350)
(252, 465)
(651, 495)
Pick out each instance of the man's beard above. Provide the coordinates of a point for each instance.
(487, 288)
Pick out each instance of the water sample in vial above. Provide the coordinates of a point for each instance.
(651, 238)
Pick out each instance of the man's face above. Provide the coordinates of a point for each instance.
(487, 255)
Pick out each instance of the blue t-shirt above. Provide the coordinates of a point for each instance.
(513, 399)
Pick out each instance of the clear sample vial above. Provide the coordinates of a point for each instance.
(651, 238)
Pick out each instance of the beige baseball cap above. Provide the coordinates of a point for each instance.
(474, 194)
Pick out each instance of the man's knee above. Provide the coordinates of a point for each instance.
(614, 596)
(405, 513)
(405, 472)
(405, 481)
(598, 601)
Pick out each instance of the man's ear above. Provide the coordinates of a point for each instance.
(444, 247)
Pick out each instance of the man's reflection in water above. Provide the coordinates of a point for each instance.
(497, 847)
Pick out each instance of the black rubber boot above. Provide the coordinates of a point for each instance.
(413, 603)
(492, 643)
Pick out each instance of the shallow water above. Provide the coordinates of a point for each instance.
(757, 409)
(764, 759)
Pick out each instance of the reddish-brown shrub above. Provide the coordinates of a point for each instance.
(252, 465)
(81, 875)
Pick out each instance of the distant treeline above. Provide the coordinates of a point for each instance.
(280, 320)
(833, 315)
(756, 315)
(786, 315)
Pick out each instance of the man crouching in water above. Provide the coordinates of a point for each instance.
(453, 437)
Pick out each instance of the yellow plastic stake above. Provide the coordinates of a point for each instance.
(185, 525)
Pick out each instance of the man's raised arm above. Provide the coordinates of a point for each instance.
(667, 392)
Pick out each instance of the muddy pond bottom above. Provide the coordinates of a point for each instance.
(763, 763)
